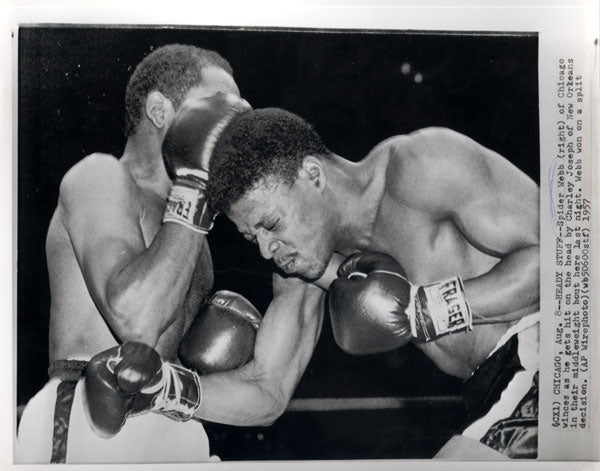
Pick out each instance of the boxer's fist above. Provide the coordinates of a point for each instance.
(367, 304)
(195, 130)
(222, 335)
(374, 308)
(187, 150)
(132, 378)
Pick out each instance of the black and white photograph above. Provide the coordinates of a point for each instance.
(274, 243)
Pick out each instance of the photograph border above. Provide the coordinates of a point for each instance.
(563, 30)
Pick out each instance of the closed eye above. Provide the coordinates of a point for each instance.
(271, 225)
(250, 238)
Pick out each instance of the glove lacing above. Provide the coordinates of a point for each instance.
(169, 399)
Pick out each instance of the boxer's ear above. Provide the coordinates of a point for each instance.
(314, 171)
(159, 109)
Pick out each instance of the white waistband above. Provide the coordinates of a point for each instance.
(523, 323)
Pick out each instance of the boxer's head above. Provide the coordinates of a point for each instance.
(267, 175)
(174, 71)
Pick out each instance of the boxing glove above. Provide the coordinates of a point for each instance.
(187, 150)
(374, 308)
(222, 335)
(130, 379)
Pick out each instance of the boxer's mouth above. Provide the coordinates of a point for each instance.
(287, 264)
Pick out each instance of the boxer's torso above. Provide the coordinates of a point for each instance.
(77, 328)
(430, 250)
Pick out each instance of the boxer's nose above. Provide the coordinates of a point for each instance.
(267, 245)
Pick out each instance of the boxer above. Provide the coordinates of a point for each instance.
(118, 273)
(450, 226)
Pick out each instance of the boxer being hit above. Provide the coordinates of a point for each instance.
(441, 241)
(129, 265)
(442, 236)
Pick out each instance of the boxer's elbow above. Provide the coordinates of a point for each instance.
(129, 329)
(525, 281)
(533, 264)
(275, 410)
(135, 332)
(270, 398)
(130, 320)
(534, 275)
(273, 404)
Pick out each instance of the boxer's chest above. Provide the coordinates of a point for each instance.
(428, 250)
(151, 212)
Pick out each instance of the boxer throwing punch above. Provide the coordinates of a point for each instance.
(117, 273)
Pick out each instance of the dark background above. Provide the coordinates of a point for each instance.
(354, 89)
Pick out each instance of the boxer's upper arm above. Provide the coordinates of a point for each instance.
(258, 392)
(293, 322)
(495, 208)
(101, 220)
(288, 335)
(494, 204)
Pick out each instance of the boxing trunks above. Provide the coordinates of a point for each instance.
(54, 429)
(502, 394)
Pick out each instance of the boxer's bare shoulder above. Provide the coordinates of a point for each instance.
(417, 143)
(420, 161)
(104, 219)
(438, 154)
(437, 170)
(424, 154)
(93, 165)
(93, 179)
(101, 187)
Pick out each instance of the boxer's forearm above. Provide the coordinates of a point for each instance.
(258, 392)
(137, 288)
(508, 291)
(144, 295)
(240, 397)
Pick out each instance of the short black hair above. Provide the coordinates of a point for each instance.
(268, 142)
(172, 70)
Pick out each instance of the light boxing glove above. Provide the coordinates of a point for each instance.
(131, 378)
(187, 150)
(374, 308)
(221, 336)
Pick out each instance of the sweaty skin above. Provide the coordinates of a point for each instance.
(78, 250)
(440, 203)
(116, 272)
(258, 392)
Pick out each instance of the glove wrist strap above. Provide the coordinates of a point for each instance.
(439, 309)
(187, 206)
(178, 393)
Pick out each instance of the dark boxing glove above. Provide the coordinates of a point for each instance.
(374, 308)
(187, 150)
(222, 335)
(130, 379)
